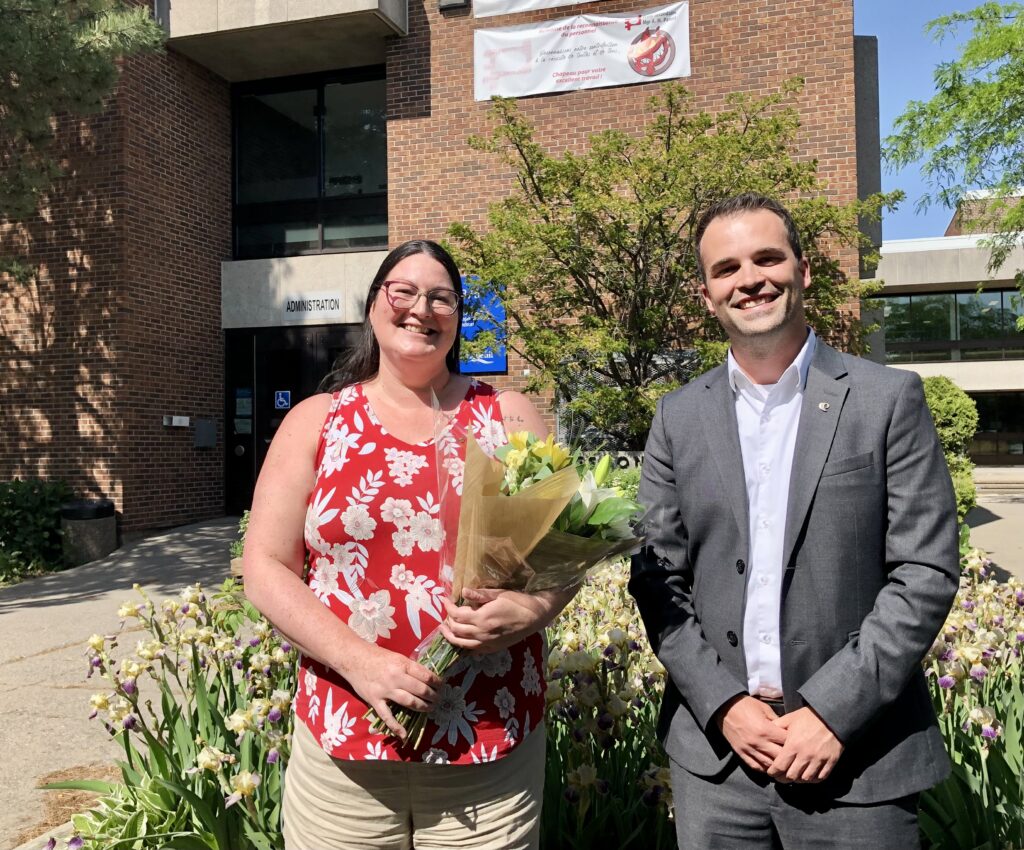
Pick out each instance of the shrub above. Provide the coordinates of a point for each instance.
(954, 412)
(30, 536)
(627, 480)
(956, 420)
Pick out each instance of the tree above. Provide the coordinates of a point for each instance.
(971, 132)
(59, 57)
(592, 253)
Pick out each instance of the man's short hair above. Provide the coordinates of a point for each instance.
(747, 202)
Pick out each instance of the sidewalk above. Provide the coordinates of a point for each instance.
(44, 625)
(997, 526)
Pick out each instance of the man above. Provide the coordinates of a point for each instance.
(801, 558)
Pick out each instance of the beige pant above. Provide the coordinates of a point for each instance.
(380, 805)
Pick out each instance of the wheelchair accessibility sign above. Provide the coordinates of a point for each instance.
(282, 399)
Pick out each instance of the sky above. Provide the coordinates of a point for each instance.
(907, 58)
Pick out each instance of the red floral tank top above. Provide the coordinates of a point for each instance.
(374, 536)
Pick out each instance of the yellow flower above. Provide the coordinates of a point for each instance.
(259, 707)
(128, 609)
(617, 706)
(520, 439)
(210, 758)
(148, 650)
(245, 783)
(554, 452)
(130, 669)
(192, 594)
(96, 642)
(584, 775)
(516, 458)
(239, 721)
(281, 699)
(100, 702)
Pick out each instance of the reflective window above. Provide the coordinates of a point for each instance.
(277, 150)
(311, 164)
(941, 326)
(1000, 436)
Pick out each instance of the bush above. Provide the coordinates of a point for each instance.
(954, 412)
(627, 480)
(956, 420)
(30, 536)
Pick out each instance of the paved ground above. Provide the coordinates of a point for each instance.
(44, 624)
(997, 525)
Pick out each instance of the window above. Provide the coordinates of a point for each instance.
(311, 164)
(1000, 435)
(952, 326)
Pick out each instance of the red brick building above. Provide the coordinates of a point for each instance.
(220, 221)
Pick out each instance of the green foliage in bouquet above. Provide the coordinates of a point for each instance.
(607, 782)
(202, 708)
(593, 511)
(975, 674)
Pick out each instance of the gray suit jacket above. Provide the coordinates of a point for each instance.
(871, 568)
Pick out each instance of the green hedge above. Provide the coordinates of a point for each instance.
(30, 537)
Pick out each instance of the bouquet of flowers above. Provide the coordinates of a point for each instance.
(533, 518)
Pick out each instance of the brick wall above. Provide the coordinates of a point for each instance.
(123, 323)
(177, 222)
(735, 45)
(59, 348)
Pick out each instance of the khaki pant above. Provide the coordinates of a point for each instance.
(383, 805)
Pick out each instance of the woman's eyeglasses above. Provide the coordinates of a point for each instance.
(402, 295)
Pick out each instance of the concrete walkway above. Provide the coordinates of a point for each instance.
(44, 625)
(997, 526)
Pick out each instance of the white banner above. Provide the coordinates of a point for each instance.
(486, 8)
(584, 52)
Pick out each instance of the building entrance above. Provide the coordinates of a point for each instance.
(267, 372)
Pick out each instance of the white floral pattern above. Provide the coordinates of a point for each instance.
(375, 533)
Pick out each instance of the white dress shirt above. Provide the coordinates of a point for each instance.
(768, 416)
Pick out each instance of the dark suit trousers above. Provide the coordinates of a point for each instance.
(742, 809)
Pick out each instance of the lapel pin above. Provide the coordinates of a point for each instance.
(822, 405)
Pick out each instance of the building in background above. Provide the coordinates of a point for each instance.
(206, 258)
(942, 313)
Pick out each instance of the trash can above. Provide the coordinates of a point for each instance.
(90, 530)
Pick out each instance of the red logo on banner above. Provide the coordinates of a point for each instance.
(650, 53)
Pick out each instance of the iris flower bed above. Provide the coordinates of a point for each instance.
(201, 708)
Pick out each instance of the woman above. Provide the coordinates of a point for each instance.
(350, 483)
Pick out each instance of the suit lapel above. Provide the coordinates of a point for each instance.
(722, 433)
(822, 405)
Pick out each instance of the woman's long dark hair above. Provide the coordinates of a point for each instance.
(363, 361)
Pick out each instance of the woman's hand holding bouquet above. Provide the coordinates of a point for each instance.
(532, 522)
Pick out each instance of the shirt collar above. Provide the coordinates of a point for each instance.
(797, 370)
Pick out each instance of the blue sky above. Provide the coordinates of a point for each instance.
(906, 61)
